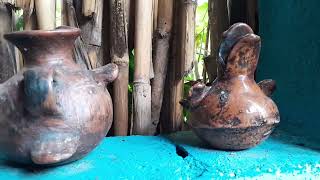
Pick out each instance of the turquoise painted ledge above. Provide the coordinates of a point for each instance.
(183, 156)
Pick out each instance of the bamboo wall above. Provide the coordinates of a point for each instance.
(152, 42)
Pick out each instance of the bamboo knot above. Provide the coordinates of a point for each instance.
(141, 81)
(162, 34)
(121, 61)
(190, 2)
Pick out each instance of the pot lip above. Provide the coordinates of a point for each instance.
(59, 31)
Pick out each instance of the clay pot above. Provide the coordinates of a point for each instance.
(53, 111)
(234, 112)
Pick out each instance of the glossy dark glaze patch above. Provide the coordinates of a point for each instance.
(234, 112)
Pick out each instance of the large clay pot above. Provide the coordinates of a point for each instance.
(234, 112)
(53, 111)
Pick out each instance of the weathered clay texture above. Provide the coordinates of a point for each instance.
(53, 111)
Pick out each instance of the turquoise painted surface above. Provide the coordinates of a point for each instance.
(290, 32)
(290, 55)
(183, 156)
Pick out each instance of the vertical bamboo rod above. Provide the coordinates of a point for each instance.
(206, 52)
(161, 57)
(88, 7)
(64, 13)
(219, 22)
(171, 113)
(7, 55)
(245, 11)
(91, 33)
(187, 35)
(46, 14)
(120, 56)
(155, 14)
(143, 47)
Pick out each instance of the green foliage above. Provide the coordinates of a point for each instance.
(130, 84)
(131, 70)
(19, 20)
(201, 27)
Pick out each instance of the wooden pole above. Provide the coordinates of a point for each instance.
(187, 35)
(245, 11)
(155, 14)
(120, 56)
(29, 14)
(141, 85)
(91, 32)
(88, 7)
(171, 114)
(7, 55)
(219, 22)
(69, 18)
(161, 57)
(46, 14)
(30, 23)
(206, 52)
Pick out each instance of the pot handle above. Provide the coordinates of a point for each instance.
(107, 73)
(268, 86)
(197, 92)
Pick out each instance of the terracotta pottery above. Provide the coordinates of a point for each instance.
(53, 111)
(234, 112)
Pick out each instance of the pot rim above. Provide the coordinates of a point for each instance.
(61, 30)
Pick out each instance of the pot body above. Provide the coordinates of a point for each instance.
(234, 112)
(53, 111)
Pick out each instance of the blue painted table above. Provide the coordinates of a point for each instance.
(184, 156)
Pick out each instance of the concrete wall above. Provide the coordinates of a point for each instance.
(290, 32)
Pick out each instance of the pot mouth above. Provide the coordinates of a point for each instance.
(41, 46)
(64, 31)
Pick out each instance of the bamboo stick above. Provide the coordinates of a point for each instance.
(88, 7)
(30, 20)
(245, 11)
(131, 25)
(187, 34)
(64, 13)
(143, 47)
(7, 54)
(252, 15)
(80, 52)
(219, 22)
(29, 14)
(171, 117)
(120, 56)
(46, 14)
(206, 52)
(30, 23)
(155, 14)
(91, 32)
(161, 57)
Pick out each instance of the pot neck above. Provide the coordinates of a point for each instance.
(41, 48)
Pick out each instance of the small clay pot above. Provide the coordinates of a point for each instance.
(234, 112)
(53, 111)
